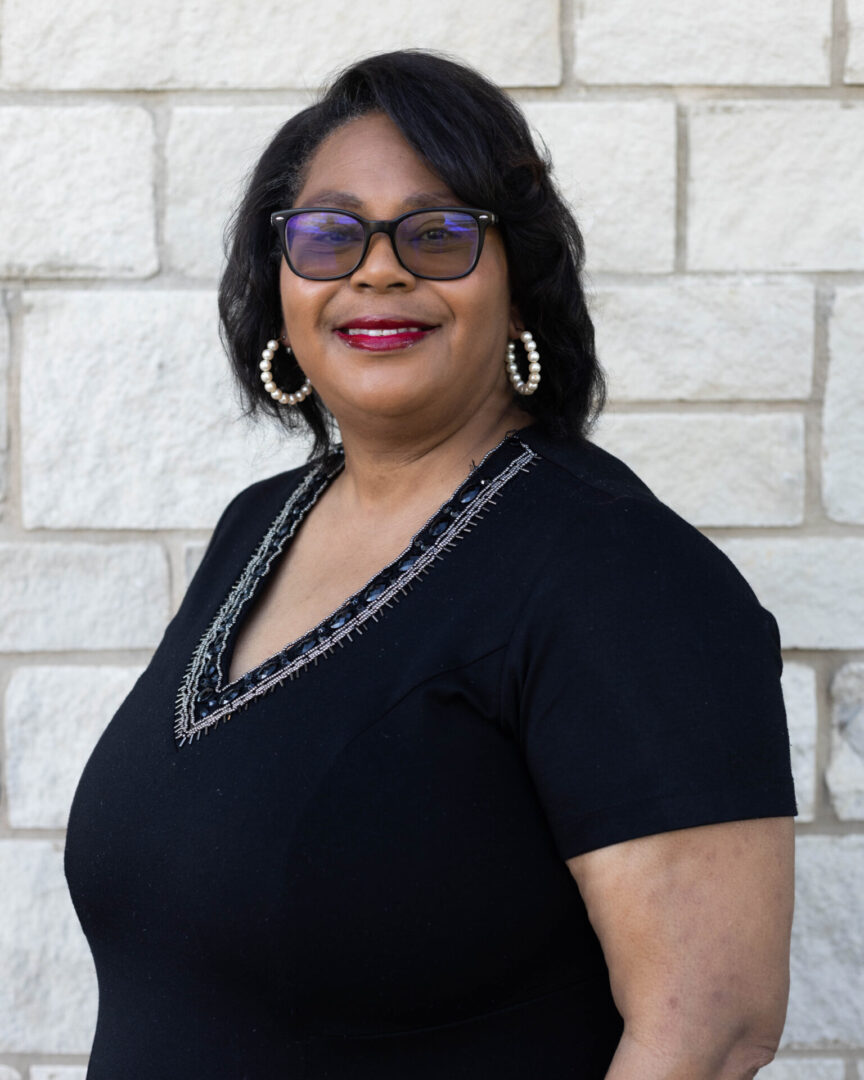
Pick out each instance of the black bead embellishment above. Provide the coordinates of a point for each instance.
(205, 696)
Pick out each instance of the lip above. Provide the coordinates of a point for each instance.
(383, 333)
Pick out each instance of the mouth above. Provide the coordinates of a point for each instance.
(378, 334)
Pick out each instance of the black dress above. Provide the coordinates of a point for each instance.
(359, 871)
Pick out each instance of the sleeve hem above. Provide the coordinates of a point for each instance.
(602, 828)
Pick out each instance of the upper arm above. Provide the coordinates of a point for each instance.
(644, 679)
(695, 926)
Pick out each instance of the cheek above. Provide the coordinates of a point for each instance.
(483, 310)
(302, 303)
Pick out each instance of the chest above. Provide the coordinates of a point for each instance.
(325, 564)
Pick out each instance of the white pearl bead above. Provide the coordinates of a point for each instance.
(276, 394)
(533, 366)
(265, 365)
(266, 377)
(273, 344)
(526, 336)
(532, 381)
(267, 354)
(270, 386)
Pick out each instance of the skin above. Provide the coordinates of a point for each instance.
(448, 395)
(694, 924)
(412, 421)
(695, 927)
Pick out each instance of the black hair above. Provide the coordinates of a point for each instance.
(477, 140)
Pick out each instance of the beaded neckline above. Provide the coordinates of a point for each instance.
(205, 696)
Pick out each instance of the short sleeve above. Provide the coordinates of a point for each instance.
(643, 683)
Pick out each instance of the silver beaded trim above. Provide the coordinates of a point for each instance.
(334, 630)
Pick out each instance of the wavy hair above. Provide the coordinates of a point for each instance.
(477, 140)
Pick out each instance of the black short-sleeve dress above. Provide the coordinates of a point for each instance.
(350, 862)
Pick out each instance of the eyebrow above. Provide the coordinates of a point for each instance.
(347, 201)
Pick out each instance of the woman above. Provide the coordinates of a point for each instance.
(515, 798)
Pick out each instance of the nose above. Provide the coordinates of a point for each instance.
(381, 270)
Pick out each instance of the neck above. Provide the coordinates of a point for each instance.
(396, 473)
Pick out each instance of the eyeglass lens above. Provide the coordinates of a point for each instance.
(430, 243)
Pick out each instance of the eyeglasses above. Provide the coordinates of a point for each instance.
(440, 243)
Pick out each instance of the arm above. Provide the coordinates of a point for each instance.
(695, 927)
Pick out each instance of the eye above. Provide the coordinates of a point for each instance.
(432, 233)
(436, 233)
(336, 234)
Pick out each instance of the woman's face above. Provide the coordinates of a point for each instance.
(450, 372)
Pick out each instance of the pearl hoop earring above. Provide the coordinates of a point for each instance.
(270, 386)
(529, 385)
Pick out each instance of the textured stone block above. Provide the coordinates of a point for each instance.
(193, 553)
(223, 144)
(58, 1072)
(804, 1069)
(715, 468)
(826, 1003)
(845, 775)
(82, 596)
(843, 415)
(152, 439)
(48, 990)
(732, 42)
(4, 433)
(615, 162)
(855, 54)
(54, 715)
(799, 696)
(76, 191)
(795, 208)
(265, 44)
(709, 340)
(814, 586)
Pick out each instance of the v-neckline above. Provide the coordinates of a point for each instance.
(206, 696)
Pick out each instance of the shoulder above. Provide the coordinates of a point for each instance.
(250, 513)
(259, 502)
(582, 467)
(605, 534)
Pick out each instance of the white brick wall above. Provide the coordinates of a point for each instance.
(716, 468)
(724, 43)
(96, 472)
(843, 438)
(4, 433)
(802, 713)
(263, 43)
(855, 57)
(221, 144)
(762, 195)
(48, 989)
(76, 192)
(715, 157)
(717, 339)
(54, 715)
(826, 1003)
(615, 161)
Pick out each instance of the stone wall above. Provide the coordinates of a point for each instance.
(715, 156)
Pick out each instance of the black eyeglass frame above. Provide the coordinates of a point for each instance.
(279, 220)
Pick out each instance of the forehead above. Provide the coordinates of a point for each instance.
(368, 161)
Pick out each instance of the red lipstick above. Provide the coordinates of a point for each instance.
(374, 333)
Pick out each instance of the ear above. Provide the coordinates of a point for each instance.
(516, 324)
